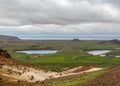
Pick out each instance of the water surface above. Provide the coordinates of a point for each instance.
(98, 52)
(38, 51)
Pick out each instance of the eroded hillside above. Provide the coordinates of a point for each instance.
(12, 71)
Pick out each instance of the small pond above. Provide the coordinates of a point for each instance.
(98, 52)
(38, 51)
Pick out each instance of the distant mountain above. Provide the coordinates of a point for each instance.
(4, 39)
(75, 40)
(115, 41)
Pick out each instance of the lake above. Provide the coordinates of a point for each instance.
(98, 52)
(38, 51)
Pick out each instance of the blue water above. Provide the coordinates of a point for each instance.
(70, 37)
(38, 51)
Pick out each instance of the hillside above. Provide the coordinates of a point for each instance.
(111, 78)
(5, 39)
(13, 72)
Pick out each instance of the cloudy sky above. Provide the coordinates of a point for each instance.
(58, 17)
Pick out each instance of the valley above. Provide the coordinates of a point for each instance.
(70, 60)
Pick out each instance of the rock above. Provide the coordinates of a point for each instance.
(32, 77)
(0, 79)
(4, 53)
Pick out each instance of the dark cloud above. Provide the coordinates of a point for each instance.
(113, 2)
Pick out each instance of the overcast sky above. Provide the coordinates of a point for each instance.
(53, 17)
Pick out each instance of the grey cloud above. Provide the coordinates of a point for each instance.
(114, 2)
(23, 12)
(74, 29)
(59, 16)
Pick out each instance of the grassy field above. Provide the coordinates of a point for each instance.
(71, 54)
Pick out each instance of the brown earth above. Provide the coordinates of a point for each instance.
(111, 78)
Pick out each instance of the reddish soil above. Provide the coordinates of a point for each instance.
(84, 68)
